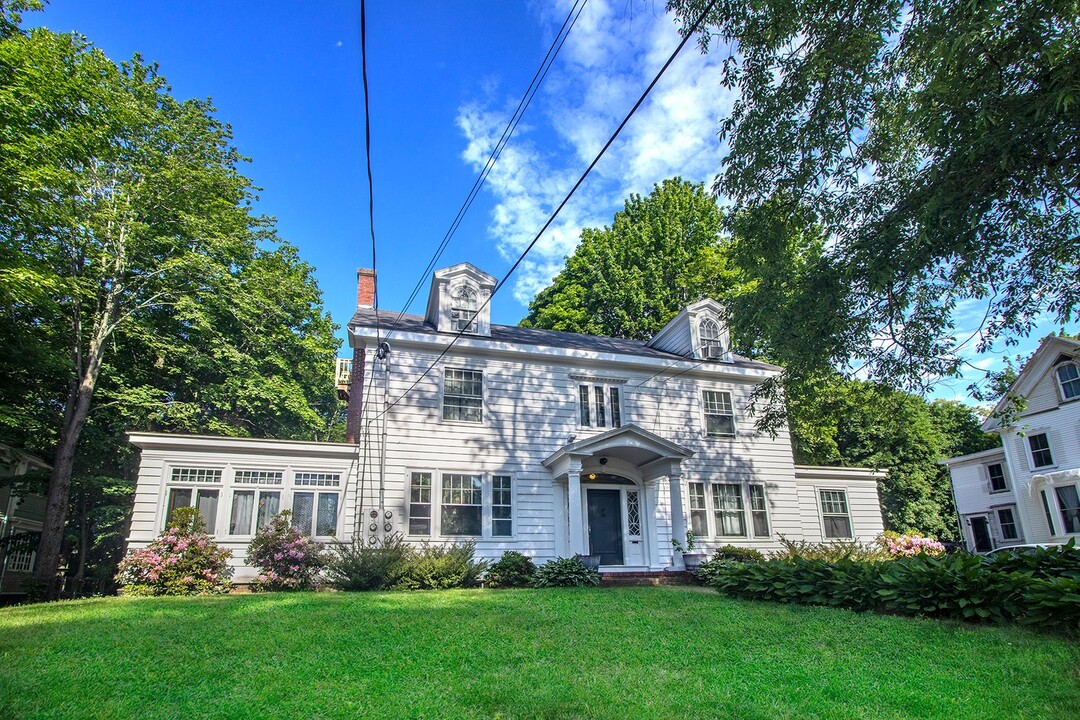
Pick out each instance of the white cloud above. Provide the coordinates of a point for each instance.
(609, 58)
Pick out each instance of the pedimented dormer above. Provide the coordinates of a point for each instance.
(698, 331)
(459, 300)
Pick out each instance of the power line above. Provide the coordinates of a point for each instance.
(367, 152)
(693, 29)
(496, 151)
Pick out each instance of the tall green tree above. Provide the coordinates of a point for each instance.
(661, 252)
(937, 142)
(134, 271)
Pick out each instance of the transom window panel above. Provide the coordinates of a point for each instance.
(502, 500)
(20, 561)
(699, 511)
(311, 479)
(1069, 380)
(196, 475)
(248, 505)
(1007, 522)
(599, 406)
(834, 514)
(719, 414)
(463, 308)
(709, 336)
(204, 499)
(1040, 450)
(315, 513)
(759, 513)
(1069, 503)
(996, 473)
(420, 504)
(728, 509)
(462, 504)
(258, 477)
(463, 395)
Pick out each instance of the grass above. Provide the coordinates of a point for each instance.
(618, 653)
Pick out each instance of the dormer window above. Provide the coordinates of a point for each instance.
(1068, 381)
(463, 308)
(709, 338)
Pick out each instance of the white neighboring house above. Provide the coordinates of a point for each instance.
(1028, 490)
(549, 443)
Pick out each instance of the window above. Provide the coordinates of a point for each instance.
(462, 505)
(20, 561)
(1007, 522)
(463, 395)
(834, 514)
(245, 509)
(759, 514)
(195, 475)
(1069, 502)
(420, 504)
(728, 509)
(502, 523)
(463, 305)
(204, 499)
(633, 513)
(258, 477)
(310, 479)
(1040, 450)
(709, 338)
(1069, 381)
(699, 511)
(719, 414)
(996, 473)
(315, 513)
(599, 406)
(1046, 509)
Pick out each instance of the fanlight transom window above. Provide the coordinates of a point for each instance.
(709, 338)
(463, 308)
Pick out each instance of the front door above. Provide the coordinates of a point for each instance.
(605, 526)
(980, 529)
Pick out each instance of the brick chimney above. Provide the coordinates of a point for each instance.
(365, 288)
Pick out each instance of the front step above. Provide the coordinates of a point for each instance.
(648, 577)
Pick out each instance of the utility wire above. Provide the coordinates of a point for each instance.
(496, 151)
(693, 29)
(367, 151)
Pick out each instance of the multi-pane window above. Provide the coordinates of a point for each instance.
(834, 514)
(1040, 450)
(463, 309)
(1069, 502)
(196, 475)
(502, 500)
(420, 504)
(311, 479)
(463, 395)
(462, 505)
(699, 511)
(20, 561)
(1007, 522)
(996, 473)
(1069, 380)
(1046, 509)
(599, 406)
(728, 510)
(258, 477)
(759, 513)
(315, 513)
(719, 414)
(709, 337)
(204, 499)
(247, 505)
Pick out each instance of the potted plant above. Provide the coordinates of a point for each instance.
(691, 560)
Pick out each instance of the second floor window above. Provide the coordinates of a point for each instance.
(719, 414)
(599, 406)
(463, 395)
(1040, 450)
(463, 305)
(996, 473)
(1069, 381)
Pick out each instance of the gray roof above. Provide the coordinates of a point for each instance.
(365, 317)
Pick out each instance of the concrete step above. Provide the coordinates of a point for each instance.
(651, 577)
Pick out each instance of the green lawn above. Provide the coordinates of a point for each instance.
(618, 653)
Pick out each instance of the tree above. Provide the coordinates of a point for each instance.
(660, 253)
(133, 269)
(937, 144)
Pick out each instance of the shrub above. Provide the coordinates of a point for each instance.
(439, 567)
(723, 556)
(954, 586)
(356, 566)
(834, 551)
(848, 584)
(289, 560)
(183, 560)
(511, 570)
(910, 544)
(1056, 561)
(565, 572)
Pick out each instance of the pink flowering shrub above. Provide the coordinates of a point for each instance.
(184, 560)
(910, 544)
(289, 559)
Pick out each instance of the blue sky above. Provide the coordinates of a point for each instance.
(445, 78)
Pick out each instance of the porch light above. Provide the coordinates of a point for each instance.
(592, 476)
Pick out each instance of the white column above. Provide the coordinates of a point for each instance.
(678, 519)
(577, 530)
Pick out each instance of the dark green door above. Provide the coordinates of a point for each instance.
(605, 526)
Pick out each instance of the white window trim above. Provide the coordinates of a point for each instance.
(750, 511)
(607, 387)
(1016, 523)
(11, 555)
(483, 397)
(1050, 444)
(702, 353)
(1060, 385)
(257, 489)
(486, 497)
(748, 518)
(1057, 511)
(168, 484)
(821, 512)
(473, 327)
(1004, 473)
(703, 416)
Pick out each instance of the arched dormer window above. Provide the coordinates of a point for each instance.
(463, 307)
(1068, 376)
(709, 339)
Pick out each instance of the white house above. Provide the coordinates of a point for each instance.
(549, 443)
(1028, 490)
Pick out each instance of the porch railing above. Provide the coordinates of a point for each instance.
(343, 372)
